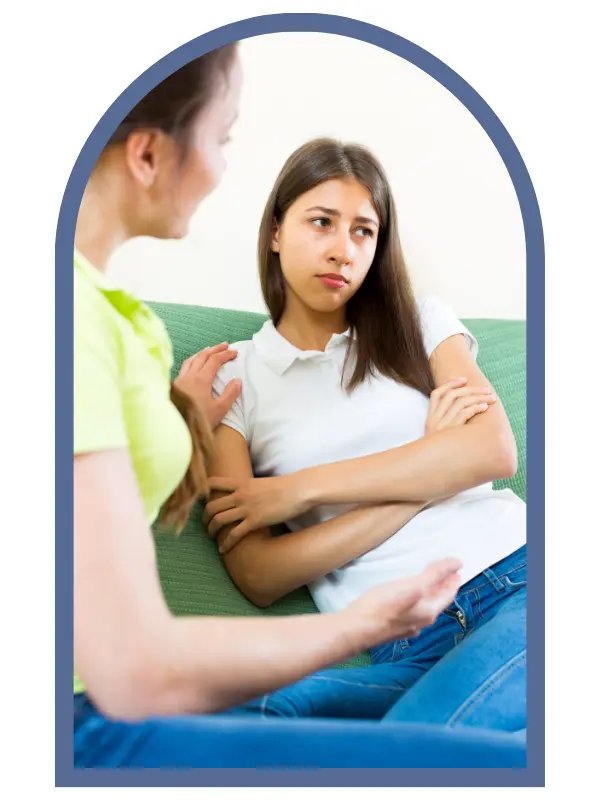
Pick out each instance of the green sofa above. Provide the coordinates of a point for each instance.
(193, 577)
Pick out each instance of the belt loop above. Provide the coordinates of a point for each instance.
(494, 579)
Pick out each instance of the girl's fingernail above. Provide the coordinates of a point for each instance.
(483, 406)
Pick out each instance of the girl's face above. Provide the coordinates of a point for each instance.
(172, 185)
(326, 243)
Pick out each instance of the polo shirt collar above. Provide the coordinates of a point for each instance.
(279, 354)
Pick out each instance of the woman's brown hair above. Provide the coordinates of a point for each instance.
(383, 314)
(173, 106)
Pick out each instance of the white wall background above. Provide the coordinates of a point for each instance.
(459, 217)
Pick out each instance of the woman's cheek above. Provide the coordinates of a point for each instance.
(217, 167)
(210, 169)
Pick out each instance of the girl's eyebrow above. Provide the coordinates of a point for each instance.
(332, 212)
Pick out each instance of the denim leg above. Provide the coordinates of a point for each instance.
(371, 692)
(353, 692)
(191, 741)
(360, 692)
(482, 682)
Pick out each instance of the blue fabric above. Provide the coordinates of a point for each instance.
(431, 701)
(467, 669)
(250, 741)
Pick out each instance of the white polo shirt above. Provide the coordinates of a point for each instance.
(294, 413)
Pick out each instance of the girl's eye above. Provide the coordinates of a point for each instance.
(321, 222)
(365, 231)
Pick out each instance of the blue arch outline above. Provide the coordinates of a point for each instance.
(534, 240)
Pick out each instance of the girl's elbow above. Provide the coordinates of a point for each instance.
(258, 594)
(254, 587)
(507, 459)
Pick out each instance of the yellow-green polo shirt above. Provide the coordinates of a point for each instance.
(122, 365)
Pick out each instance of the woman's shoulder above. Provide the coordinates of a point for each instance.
(93, 315)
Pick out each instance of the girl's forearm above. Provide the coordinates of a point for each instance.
(266, 568)
(428, 469)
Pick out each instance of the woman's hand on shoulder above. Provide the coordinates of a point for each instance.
(197, 376)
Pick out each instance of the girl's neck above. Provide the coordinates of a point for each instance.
(307, 329)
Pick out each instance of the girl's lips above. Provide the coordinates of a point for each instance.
(334, 281)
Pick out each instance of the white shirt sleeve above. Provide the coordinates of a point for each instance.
(439, 322)
(235, 416)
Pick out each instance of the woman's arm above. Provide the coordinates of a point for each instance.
(265, 567)
(136, 660)
(430, 468)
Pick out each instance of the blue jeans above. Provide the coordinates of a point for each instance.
(186, 742)
(467, 669)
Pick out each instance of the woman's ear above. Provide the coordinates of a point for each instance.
(275, 236)
(144, 151)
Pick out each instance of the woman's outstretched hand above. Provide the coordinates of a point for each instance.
(400, 609)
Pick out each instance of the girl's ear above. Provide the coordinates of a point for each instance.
(275, 229)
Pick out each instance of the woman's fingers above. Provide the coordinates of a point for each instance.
(200, 359)
(215, 361)
(437, 572)
(428, 609)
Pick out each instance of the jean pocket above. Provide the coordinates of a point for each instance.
(382, 654)
(388, 653)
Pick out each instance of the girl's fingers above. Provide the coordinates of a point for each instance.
(454, 412)
(216, 506)
(224, 518)
(459, 398)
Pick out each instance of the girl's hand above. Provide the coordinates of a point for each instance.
(197, 376)
(252, 503)
(453, 404)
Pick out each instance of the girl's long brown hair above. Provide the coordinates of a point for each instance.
(176, 510)
(173, 106)
(383, 314)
